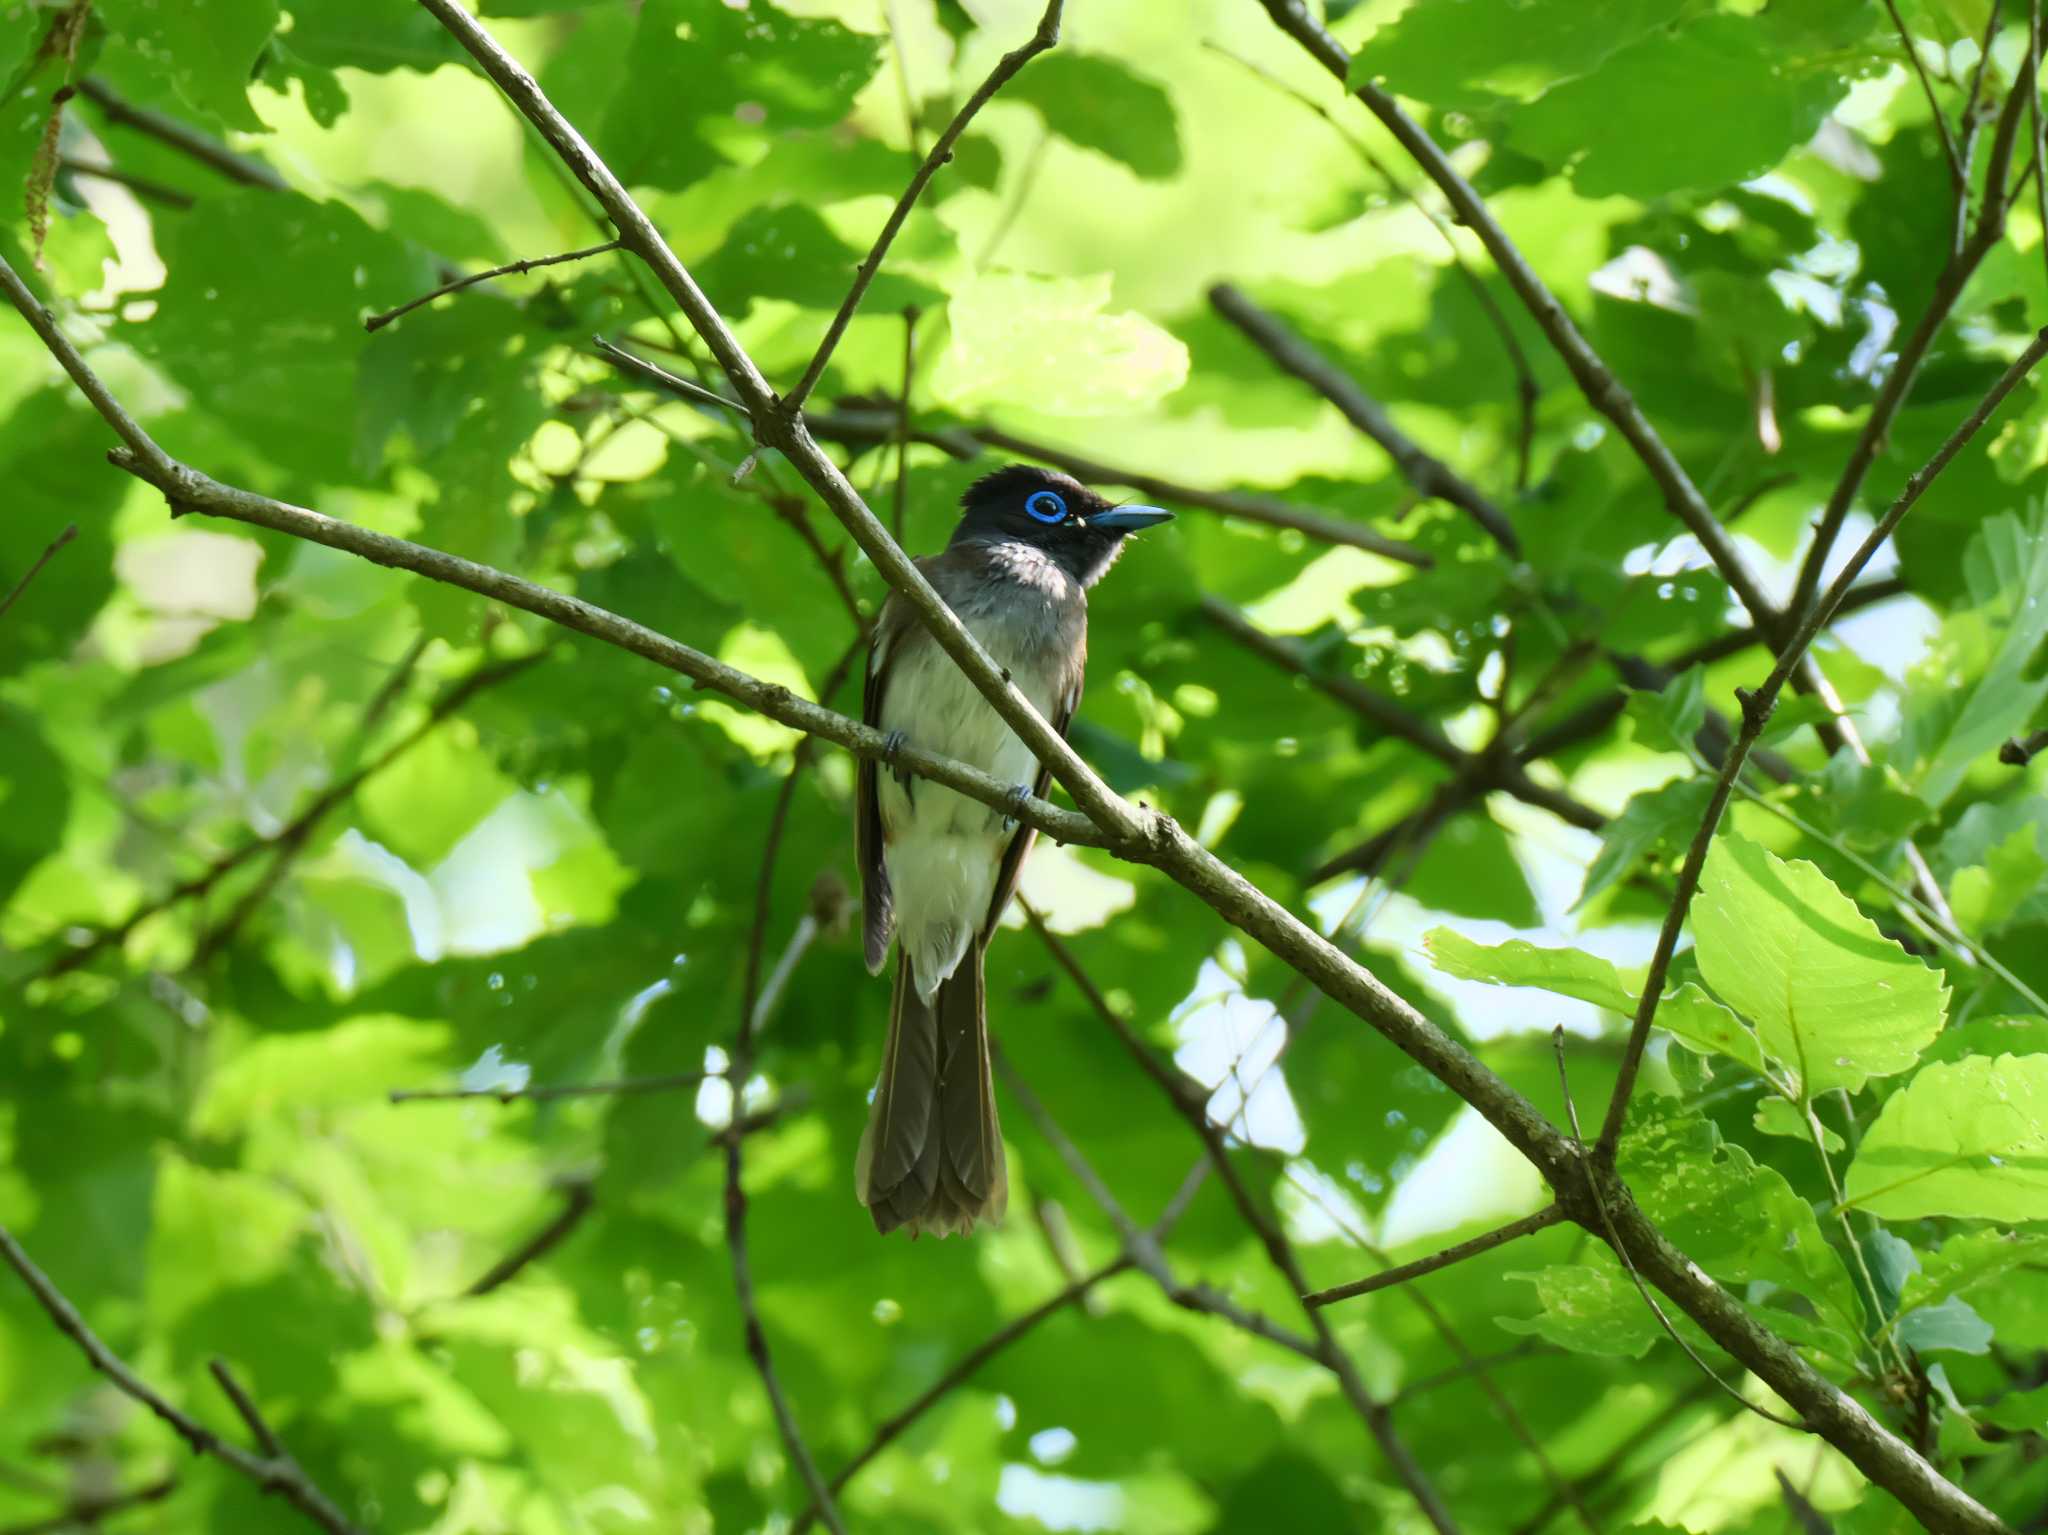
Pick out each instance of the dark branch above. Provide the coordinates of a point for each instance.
(1542, 1220)
(70, 532)
(1429, 475)
(87, 1513)
(1956, 172)
(141, 186)
(274, 1471)
(1045, 37)
(2021, 750)
(377, 322)
(187, 141)
(578, 1202)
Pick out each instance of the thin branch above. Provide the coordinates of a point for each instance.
(141, 186)
(661, 378)
(900, 493)
(1610, 1463)
(2034, 43)
(883, 426)
(1948, 142)
(377, 322)
(1483, 770)
(1596, 380)
(1007, 66)
(187, 141)
(1429, 475)
(70, 532)
(87, 1513)
(622, 1087)
(245, 1408)
(1756, 712)
(577, 1203)
(1621, 1253)
(892, 1428)
(1542, 1220)
(274, 1471)
(2021, 750)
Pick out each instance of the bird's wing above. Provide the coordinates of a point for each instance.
(877, 900)
(1013, 856)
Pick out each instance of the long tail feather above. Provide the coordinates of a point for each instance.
(931, 1158)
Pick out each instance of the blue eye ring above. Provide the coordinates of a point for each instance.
(1046, 505)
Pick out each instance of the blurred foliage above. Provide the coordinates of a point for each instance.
(552, 879)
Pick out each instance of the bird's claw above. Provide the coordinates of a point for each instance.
(1018, 797)
(892, 745)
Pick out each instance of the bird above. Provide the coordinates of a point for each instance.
(936, 868)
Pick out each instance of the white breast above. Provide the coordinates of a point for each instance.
(942, 849)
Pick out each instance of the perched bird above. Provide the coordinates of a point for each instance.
(936, 868)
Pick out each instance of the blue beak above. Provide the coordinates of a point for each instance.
(1128, 519)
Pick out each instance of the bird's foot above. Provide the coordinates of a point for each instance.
(892, 745)
(1018, 797)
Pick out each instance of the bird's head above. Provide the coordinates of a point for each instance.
(1053, 512)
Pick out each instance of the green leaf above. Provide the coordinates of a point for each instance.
(1967, 1260)
(1834, 1001)
(1472, 53)
(1686, 1012)
(1589, 1309)
(1987, 896)
(1661, 105)
(206, 48)
(1950, 728)
(1661, 817)
(1668, 721)
(1741, 1222)
(788, 253)
(1100, 104)
(704, 78)
(1781, 1116)
(1951, 1325)
(1967, 1138)
(1052, 342)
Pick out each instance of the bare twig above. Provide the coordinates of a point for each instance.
(377, 322)
(187, 141)
(1756, 711)
(1621, 1252)
(1428, 474)
(275, 1471)
(661, 378)
(963, 1370)
(70, 532)
(1542, 1220)
(1948, 142)
(1610, 1463)
(2021, 750)
(141, 186)
(1045, 37)
(900, 495)
(578, 1201)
